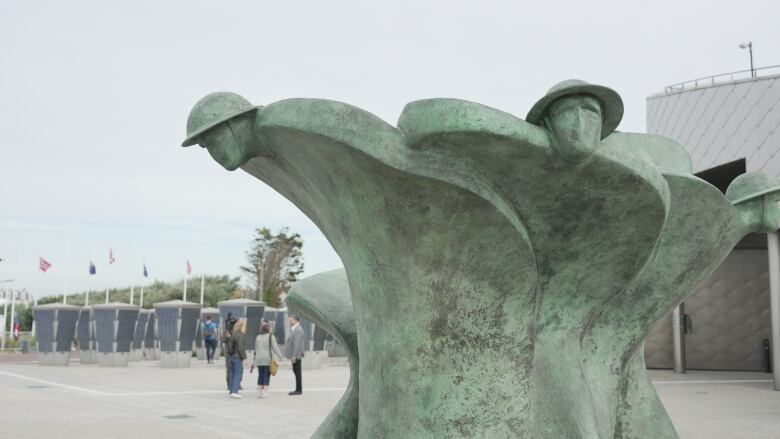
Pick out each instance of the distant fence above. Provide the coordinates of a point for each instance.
(723, 78)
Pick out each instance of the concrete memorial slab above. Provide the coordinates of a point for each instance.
(137, 351)
(177, 325)
(86, 336)
(114, 330)
(55, 331)
(503, 272)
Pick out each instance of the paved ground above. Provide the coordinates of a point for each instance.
(143, 400)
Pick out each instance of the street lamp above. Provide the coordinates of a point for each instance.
(749, 46)
(5, 311)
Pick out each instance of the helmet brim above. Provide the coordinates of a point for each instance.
(611, 104)
(192, 139)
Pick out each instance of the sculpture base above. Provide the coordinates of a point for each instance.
(314, 359)
(113, 359)
(53, 358)
(335, 349)
(88, 357)
(150, 354)
(173, 360)
(136, 355)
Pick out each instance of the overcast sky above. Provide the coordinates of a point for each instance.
(94, 98)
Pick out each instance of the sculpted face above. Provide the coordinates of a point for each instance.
(575, 122)
(228, 143)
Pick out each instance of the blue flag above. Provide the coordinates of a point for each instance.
(92, 269)
(146, 273)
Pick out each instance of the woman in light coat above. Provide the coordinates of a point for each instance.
(265, 344)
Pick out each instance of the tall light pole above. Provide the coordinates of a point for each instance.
(749, 47)
(5, 311)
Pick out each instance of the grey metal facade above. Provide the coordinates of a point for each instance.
(729, 314)
(722, 123)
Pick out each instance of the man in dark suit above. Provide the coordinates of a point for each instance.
(294, 350)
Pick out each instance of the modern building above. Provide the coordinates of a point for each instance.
(730, 124)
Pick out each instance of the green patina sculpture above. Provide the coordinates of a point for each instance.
(503, 272)
(325, 300)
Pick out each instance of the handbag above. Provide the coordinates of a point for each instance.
(273, 366)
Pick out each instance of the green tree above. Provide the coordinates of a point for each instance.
(274, 262)
(217, 288)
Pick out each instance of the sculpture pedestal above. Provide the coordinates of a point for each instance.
(136, 355)
(172, 360)
(88, 357)
(54, 358)
(150, 354)
(313, 359)
(113, 359)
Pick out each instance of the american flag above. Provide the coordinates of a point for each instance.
(189, 267)
(44, 265)
(111, 259)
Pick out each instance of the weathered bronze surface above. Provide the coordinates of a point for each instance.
(503, 273)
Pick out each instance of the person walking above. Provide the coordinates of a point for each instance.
(236, 354)
(209, 329)
(294, 349)
(266, 349)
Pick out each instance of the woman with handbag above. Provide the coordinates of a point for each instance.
(267, 357)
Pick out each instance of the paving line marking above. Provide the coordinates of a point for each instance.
(152, 393)
(197, 392)
(713, 382)
(55, 384)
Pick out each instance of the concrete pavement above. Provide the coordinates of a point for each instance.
(144, 400)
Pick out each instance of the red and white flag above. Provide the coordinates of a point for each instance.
(189, 267)
(111, 259)
(44, 265)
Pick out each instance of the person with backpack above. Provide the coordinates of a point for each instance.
(266, 349)
(236, 354)
(230, 321)
(209, 329)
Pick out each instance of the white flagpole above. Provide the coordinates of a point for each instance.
(13, 310)
(108, 270)
(5, 307)
(131, 285)
(202, 276)
(186, 275)
(143, 281)
(202, 287)
(35, 303)
(108, 279)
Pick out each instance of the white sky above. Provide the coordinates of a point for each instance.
(94, 98)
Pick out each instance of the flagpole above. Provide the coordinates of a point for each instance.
(143, 281)
(13, 310)
(185, 285)
(65, 296)
(202, 275)
(202, 286)
(131, 284)
(5, 314)
(108, 270)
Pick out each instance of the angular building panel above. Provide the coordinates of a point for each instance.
(729, 126)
